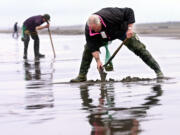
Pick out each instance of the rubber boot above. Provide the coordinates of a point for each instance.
(85, 64)
(36, 45)
(41, 55)
(25, 52)
(159, 75)
(26, 42)
(79, 78)
(36, 49)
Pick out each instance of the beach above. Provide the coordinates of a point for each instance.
(37, 98)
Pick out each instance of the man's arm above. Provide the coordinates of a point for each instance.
(97, 58)
(42, 27)
(130, 18)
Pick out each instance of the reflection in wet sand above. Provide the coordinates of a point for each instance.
(39, 93)
(107, 119)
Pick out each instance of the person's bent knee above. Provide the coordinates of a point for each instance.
(35, 38)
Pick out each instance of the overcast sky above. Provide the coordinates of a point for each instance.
(72, 12)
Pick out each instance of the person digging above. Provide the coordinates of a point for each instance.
(30, 28)
(106, 25)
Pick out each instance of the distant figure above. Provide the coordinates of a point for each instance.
(106, 25)
(30, 27)
(15, 31)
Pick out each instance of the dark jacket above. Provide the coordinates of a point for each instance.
(116, 21)
(15, 27)
(32, 22)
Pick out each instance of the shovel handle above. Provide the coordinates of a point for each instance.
(114, 54)
(51, 42)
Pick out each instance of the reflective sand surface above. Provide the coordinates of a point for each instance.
(32, 103)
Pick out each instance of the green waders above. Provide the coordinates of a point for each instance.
(132, 44)
(85, 64)
(139, 49)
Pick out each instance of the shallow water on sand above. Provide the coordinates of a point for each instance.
(32, 103)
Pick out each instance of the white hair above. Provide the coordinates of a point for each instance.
(93, 19)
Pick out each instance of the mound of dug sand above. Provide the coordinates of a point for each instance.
(135, 79)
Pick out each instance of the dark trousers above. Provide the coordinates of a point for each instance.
(133, 44)
(138, 48)
(35, 37)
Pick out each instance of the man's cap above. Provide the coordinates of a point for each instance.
(46, 17)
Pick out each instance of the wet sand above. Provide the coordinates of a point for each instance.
(35, 100)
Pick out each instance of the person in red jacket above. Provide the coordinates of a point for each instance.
(106, 25)
(30, 28)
